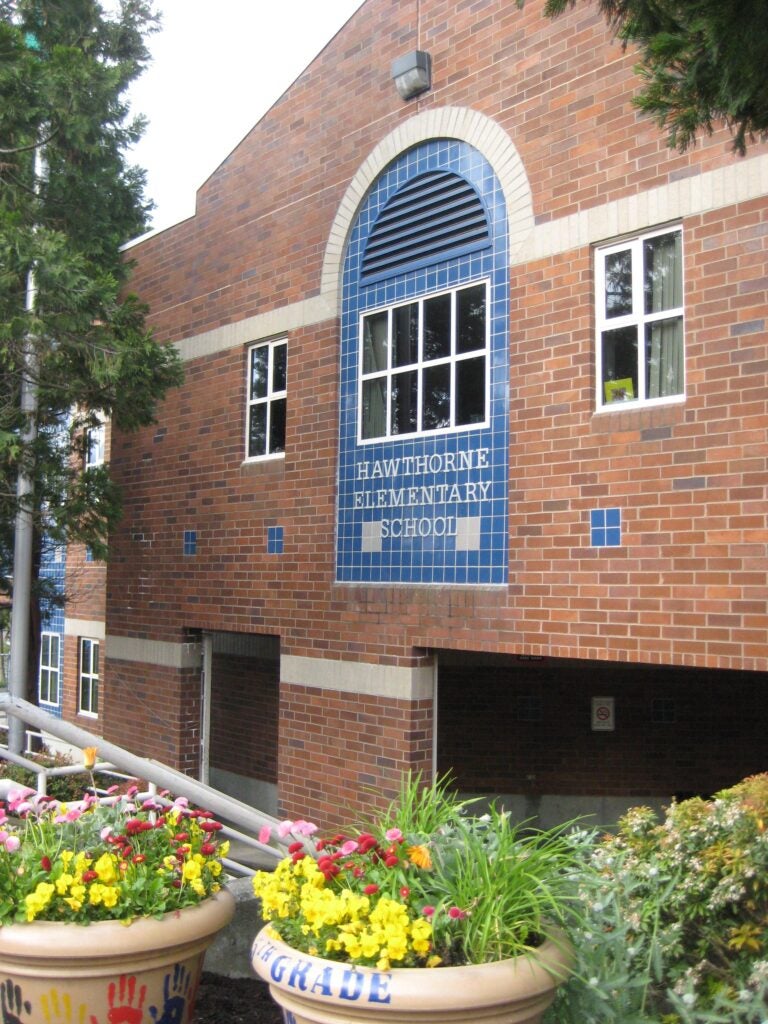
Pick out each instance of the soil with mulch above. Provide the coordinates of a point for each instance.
(223, 1000)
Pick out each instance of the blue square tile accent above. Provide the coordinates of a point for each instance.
(428, 509)
(190, 542)
(605, 527)
(274, 540)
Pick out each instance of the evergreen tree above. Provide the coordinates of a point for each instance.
(64, 68)
(701, 61)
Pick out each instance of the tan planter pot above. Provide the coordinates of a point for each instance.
(106, 971)
(315, 991)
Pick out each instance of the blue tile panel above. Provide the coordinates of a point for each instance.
(52, 569)
(274, 540)
(429, 509)
(605, 527)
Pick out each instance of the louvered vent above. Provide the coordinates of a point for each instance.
(434, 216)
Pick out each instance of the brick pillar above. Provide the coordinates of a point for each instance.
(348, 731)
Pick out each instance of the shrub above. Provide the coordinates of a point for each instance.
(675, 926)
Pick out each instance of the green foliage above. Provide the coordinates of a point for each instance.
(701, 61)
(65, 788)
(64, 69)
(676, 917)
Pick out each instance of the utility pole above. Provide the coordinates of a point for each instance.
(24, 527)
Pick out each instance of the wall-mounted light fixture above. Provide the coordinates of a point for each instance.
(412, 73)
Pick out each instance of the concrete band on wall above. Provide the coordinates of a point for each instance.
(391, 681)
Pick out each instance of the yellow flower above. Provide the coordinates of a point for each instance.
(89, 757)
(105, 868)
(38, 900)
(420, 856)
(190, 870)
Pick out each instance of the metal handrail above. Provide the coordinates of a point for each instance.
(242, 823)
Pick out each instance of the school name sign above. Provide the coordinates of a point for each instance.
(416, 495)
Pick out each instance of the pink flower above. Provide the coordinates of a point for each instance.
(12, 843)
(349, 847)
(265, 833)
(428, 911)
(304, 828)
(284, 828)
(455, 914)
(405, 892)
(393, 835)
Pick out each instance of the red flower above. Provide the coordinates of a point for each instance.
(181, 837)
(369, 890)
(211, 826)
(89, 876)
(45, 863)
(139, 858)
(136, 825)
(299, 855)
(207, 849)
(390, 861)
(320, 845)
(358, 872)
(295, 847)
(405, 892)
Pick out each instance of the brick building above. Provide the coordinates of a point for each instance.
(468, 470)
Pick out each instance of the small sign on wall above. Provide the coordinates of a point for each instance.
(603, 719)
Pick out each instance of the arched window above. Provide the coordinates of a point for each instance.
(424, 375)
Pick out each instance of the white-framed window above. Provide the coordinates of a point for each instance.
(95, 440)
(48, 679)
(424, 365)
(88, 690)
(267, 399)
(639, 315)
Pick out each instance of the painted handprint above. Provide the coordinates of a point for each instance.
(178, 990)
(12, 1003)
(58, 1008)
(126, 1006)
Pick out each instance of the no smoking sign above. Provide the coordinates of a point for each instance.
(603, 714)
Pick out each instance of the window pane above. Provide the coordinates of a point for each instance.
(470, 391)
(45, 650)
(437, 397)
(94, 695)
(618, 283)
(470, 319)
(405, 398)
(375, 342)
(406, 328)
(259, 371)
(437, 327)
(277, 426)
(663, 277)
(374, 407)
(619, 349)
(85, 657)
(279, 361)
(257, 430)
(95, 659)
(664, 358)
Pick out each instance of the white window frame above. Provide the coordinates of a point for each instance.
(89, 679)
(95, 445)
(49, 669)
(421, 364)
(638, 318)
(272, 396)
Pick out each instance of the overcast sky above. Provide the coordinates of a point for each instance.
(218, 66)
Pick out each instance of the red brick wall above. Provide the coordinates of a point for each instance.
(687, 586)
(155, 712)
(342, 753)
(244, 700)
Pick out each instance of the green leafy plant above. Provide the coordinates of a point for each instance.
(675, 916)
(425, 884)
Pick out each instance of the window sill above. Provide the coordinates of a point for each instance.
(638, 417)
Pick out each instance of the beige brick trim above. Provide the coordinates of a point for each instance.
(162, 653)
(359, 677)
(487, 137)
(93, 628)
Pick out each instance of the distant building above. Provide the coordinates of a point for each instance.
(468, 471)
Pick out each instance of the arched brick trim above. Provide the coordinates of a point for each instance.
(470, 126)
